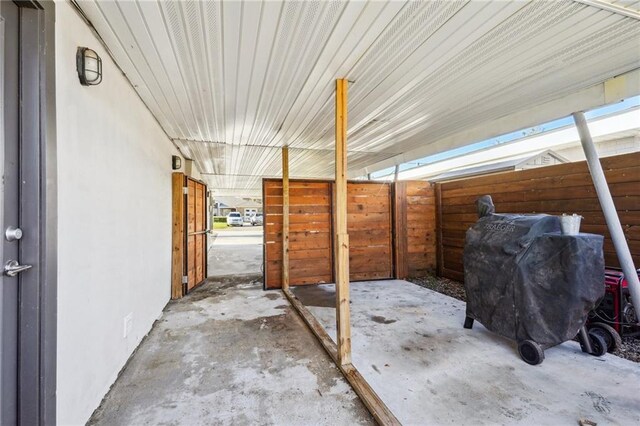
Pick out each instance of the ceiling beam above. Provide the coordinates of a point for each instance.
(609, 7)
(268, 146)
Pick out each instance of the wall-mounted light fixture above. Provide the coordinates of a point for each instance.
(176, 162)
(89, 66)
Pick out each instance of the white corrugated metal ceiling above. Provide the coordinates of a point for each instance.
(232, 82)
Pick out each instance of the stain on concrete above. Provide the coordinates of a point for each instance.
(382, 320)
(254, 363)
(272, 296)
(313, 295)
(599, 402)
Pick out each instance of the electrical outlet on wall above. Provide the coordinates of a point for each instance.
(128, 324)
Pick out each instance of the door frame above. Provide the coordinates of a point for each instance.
(37, 307)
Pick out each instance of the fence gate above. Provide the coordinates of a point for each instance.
(189, 236)
(369, 223)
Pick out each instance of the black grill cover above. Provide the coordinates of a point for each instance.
(526, 281)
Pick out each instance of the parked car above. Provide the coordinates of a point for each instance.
(234, 219)
(257, 219)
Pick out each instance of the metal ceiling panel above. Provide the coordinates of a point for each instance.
(231, 82)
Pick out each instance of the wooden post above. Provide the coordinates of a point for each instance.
(285, 217)
(177, 234)
(401, 259)
(439, 248)
(341, 255)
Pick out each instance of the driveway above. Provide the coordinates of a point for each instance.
(236, 250)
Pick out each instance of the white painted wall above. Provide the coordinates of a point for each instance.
(114, 228)
(607, 148)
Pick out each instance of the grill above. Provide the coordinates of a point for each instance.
(529, 282)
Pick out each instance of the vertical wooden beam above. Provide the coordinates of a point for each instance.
(285, 217)
(343, 320)
(177, 234)
(439, 247)
(400, 231)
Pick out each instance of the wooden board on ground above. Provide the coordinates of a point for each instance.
(378, 409)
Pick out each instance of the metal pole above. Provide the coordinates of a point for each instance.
(609, 209)
(395, 173)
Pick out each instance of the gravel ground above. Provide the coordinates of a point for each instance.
(630, 345)
(441, 285)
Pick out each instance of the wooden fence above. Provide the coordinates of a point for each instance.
(415, 228)
(379, 248)
(564, 188)
(310, 240)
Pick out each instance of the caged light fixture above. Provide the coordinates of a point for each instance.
(176, 162)
(89, 66)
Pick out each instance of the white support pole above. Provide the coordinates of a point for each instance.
(609, 209)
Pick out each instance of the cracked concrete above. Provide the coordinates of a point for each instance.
(230, 354)
(409, 344)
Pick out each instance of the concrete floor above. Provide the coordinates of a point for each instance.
(409, 344)
(230, 353)
(236, 250)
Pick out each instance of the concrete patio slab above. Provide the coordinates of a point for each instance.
(230, 354)
(409, 344)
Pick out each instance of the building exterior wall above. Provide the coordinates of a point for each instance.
(605, 149)
(114, 223)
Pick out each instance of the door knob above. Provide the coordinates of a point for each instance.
(12, 233)
(13, 268)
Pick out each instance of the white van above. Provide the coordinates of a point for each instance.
(248, 213)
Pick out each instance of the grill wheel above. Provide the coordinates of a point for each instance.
(531, 352)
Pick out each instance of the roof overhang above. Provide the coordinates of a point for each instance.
(233, 82)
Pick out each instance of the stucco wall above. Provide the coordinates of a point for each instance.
(114, 198)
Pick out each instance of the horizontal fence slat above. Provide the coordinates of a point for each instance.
(565, 188)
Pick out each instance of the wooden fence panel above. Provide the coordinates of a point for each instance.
(564, 188)
(369, 227)
(415, 225)
(379, 236)
(310, 246)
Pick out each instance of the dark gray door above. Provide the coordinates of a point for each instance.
(9, 27)
(27, 389)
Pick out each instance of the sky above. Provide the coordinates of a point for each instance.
(508, 137)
